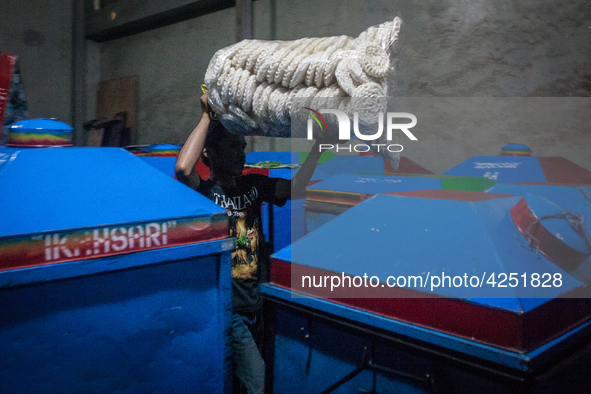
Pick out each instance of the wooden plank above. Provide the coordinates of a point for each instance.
(119, 95)
(95, 137)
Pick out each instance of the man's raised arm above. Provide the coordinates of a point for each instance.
(192, 149)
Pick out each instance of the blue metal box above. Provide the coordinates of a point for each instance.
(113, 276)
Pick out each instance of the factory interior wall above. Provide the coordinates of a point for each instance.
(170, 63)
(453, 48)
(475, 48)
(40, 34)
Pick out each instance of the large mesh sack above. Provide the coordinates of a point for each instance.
(253, 84)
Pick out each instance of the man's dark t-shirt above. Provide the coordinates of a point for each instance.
(244, 210)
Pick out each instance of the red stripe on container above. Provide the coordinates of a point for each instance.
(518, 331)
(561, 170)
(550, 246)
(457, 195)
(405, 166)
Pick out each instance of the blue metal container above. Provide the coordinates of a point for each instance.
(114, 277)
(408, 339)
(319, 346)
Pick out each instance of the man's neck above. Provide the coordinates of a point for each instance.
(223, 179)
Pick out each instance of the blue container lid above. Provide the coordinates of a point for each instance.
(86, 187)
(39, 124)
(516, 147)
(160, 147)
(39, 133)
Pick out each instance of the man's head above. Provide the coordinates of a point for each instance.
(223, 152)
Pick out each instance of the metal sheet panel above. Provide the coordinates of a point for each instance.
(147, 322)
(512, 359)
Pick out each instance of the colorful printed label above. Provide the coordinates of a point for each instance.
(79, 244)
(44, 139)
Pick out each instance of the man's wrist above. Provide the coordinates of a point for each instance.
(205, 116)
(315, 149)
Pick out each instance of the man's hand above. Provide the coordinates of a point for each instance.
(327, 138)
(205, 108)
(192, 149)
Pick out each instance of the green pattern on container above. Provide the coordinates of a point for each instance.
(326, 156)
(468, 183)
